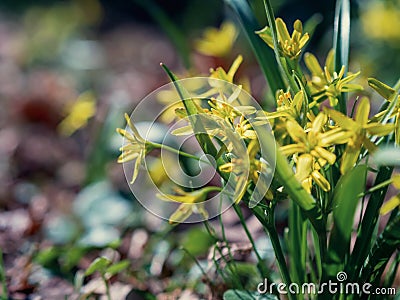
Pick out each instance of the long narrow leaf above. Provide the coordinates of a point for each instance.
(341, 41)
(345, 202)
(263, 54)
(368, 225)
(381, 252)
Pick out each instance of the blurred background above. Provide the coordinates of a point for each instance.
(68, 72)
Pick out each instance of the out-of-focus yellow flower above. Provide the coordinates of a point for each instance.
(136, 147)
(289, 46)
(381, 21)
(217, 42)
(191, 202)
(393, 202)
(311, 145)
(326, 83)
(78, 114)
(360, 130)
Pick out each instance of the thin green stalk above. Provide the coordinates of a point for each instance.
(280, 257)
(107, 286)
(261, 263)
(179, 152)
(4, 294)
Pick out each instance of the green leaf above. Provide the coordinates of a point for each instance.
(99, 264)
(341, 41)
(264, 55)
(245, 295)
(345, 200)
(368, 225)
(382, 251)
(117, 267)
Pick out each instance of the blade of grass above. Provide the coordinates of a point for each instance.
(381, 252)
(345, 200)
(263, 54)
(341, 42)
(368, 224)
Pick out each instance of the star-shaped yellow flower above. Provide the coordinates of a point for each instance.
(311, 145)
(191, 202)
(289, 46)
(360, 129)
(136, 147)
(326, 83)
(217, 42)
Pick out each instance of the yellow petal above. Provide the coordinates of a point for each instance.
(181, 214)
(342, 120)
(325, 154)
(283, 33)
(127, 156)
(396, 181)
(391, 204)
(235, 66)
(384, 90)
(313, 64)
(136, 167)
(334, 137)
(349, 158)
(292, 149)
(321, 181)
(319, 122)
(295, 131)
(379, 129)
(185, 130)
(304, 166)
(266, 35)
(363, 111)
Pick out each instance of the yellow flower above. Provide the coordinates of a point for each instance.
(360, 129)
(288, 107)
(217, 42)
(312, 146)
(393, 202)
(78, 114)
(326, 83)
(390, 95)
(289, 46)
(246, 169)
(191, 202)
(381, 21)
(136, 147)
(220, 73)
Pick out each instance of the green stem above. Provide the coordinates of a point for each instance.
(261, 263)
(4, 295)
(179, 152)
(107, 286)
(280, 257)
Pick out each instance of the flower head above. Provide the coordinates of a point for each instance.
(326, 83)
(191, 202)
(312, 146)
(394, 201)
(360, 129)
(289, 46)
(136, 147)
(217, 42)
